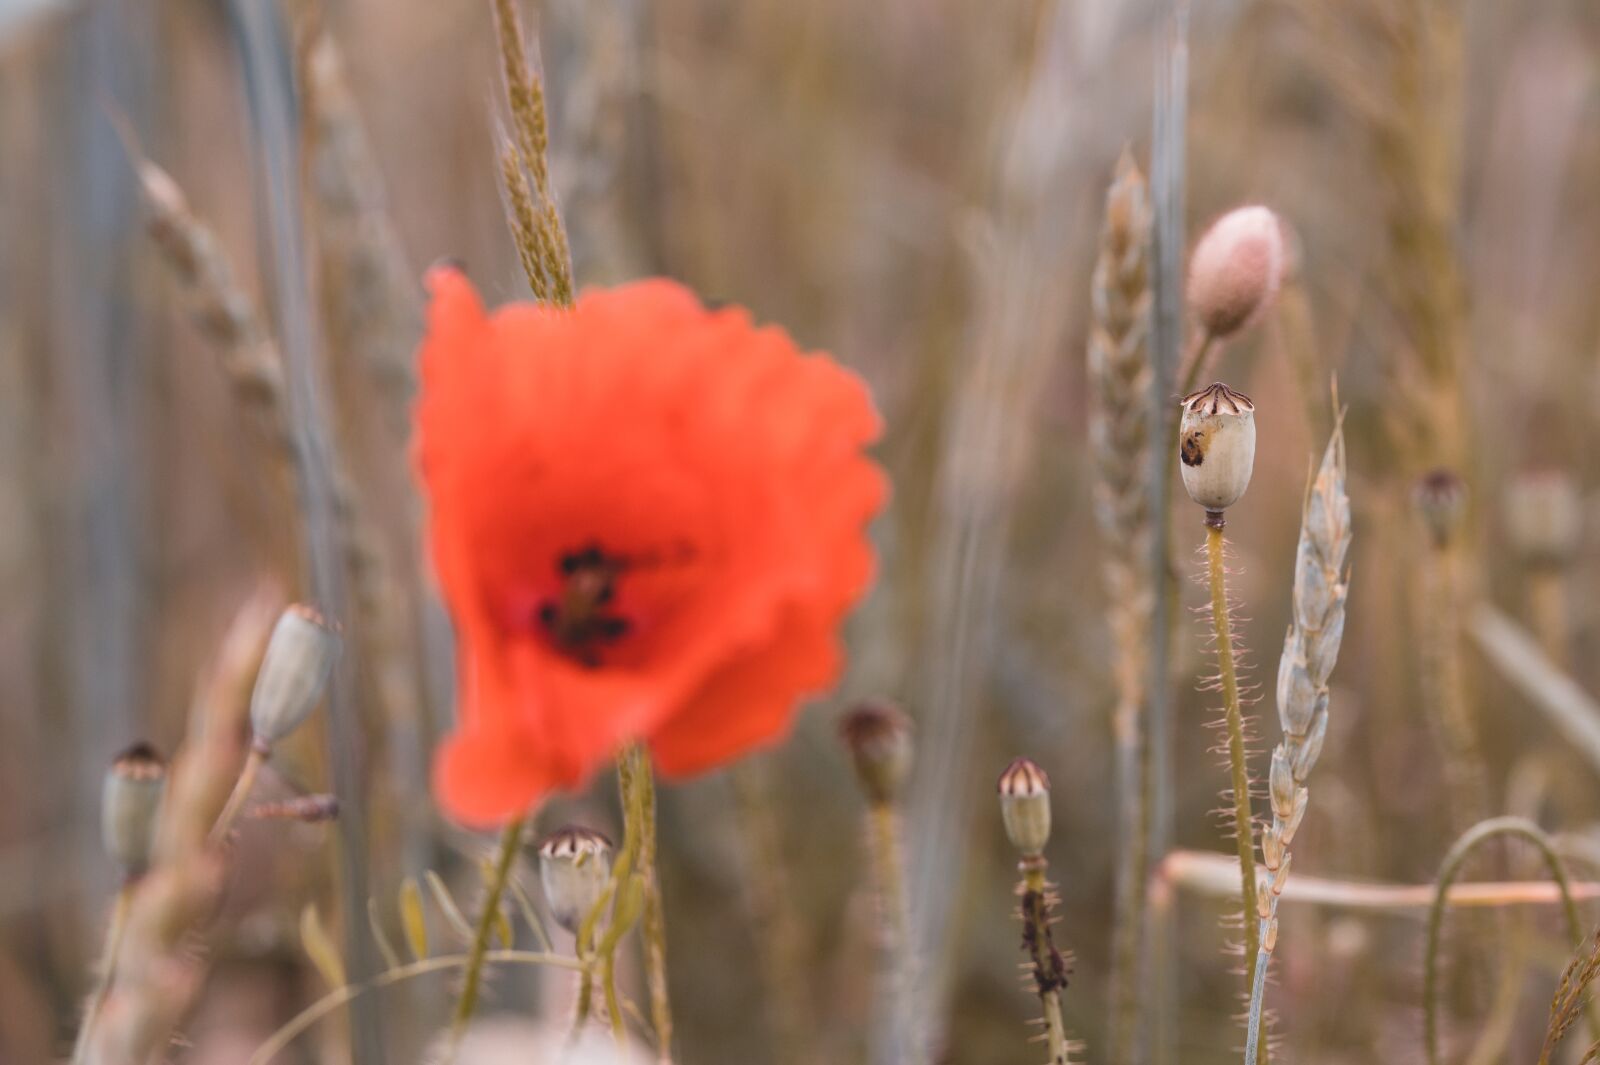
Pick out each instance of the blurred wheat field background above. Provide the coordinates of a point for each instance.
(198, 430)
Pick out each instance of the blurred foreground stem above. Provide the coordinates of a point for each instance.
(655, 926)
(510, 844)
(108, 965)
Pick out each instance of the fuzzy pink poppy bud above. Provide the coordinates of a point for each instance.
(1235, 270)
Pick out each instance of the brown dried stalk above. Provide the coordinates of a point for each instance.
(1568, 1002)
(535, 222)
(254, 365)
(369, 308)
(1310, 649)
(160, 971)
(1119, 375)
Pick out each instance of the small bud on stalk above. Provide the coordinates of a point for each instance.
(574, 865)
(877, 733)
(1025, 806)
(1441, 500)
(130, 800)
(1235, 270)
(299, 660)
(1217, 447)
(1544, 516)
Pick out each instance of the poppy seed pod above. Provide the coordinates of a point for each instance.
(129, 802)
(1025, 806)
(299, 659)
(1441, 500)
(877, 734)
(1217, 446)
(1544, 516)
(1236, 269)
(574, 865)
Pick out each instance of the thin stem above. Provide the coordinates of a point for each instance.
(655, 925)
(775, 925)
(344, 995)
(1036, 933)
(510, 844)
(241, 791)
(108, 966)
(1244, 834)
(1199, 355)
(1255, 1038)
(1547, 605)
(623, 894)
(888, 863)
(1214, 876)
(1454, 860)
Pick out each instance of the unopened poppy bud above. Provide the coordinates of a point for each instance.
(1235, 270)
(1217, 446)
(1544, 516)
(1025, 806)
(129, 802)
(299, 659)
(1441, 500)
(877, 734)
(574, 865)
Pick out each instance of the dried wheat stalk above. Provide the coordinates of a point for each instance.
(1310, 648)
(254, 365)
(368, 303)
(1119, 377)
(535, 222)
(161, 969)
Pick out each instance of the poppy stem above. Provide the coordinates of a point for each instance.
(1244, 822)
(1048, 968)
(241, 791)
(655, 926)
(510, 844)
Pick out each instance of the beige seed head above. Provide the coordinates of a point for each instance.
(1025, 806)
(129, 802)
(299, 660)
(877, 733)
(1544, 515)
(1235, 270)
(1217, 445)
(574, 865)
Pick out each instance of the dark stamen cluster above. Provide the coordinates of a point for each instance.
(578, 620)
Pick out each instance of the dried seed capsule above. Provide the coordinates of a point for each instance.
(130, 800)
(299, 659)
(1544, 516)
(1025, 806)
(1441, 499)
(1235, 270)
(877, 734)
(574, 865)
(1217, 446)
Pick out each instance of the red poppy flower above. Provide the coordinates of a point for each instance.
(648, 519)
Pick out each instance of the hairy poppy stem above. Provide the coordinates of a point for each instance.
(1244, 834)
(510, 843)
(1046, 961)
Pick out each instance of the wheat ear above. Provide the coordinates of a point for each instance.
(1310, 649)
(1119, 375)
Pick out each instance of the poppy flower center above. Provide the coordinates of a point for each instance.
(580, 619)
